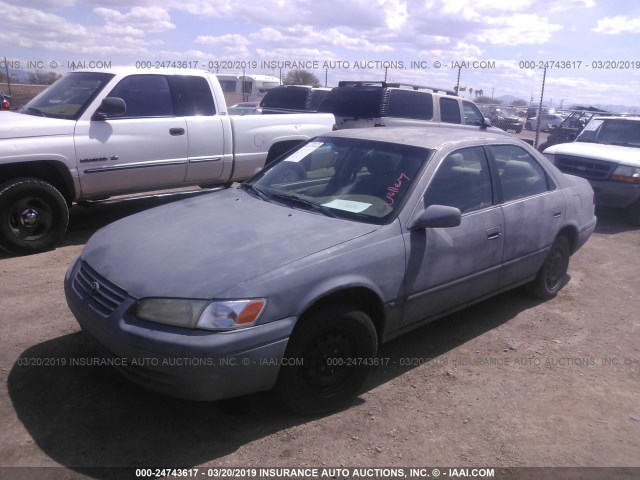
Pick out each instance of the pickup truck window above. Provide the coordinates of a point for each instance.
(145, 96)
(191, 96)
(410, 104)
(69, 97)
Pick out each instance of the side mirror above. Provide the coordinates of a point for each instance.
(485, 124)
(437, 216)
(110, 107)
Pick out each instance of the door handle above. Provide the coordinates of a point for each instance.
(557, 214)
(493, 233)
(176, 131)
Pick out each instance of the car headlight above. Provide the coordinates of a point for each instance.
(205, 314)
(627, 174)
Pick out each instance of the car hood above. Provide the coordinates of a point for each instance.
(202, 246)
(598, 151)
(20, 125)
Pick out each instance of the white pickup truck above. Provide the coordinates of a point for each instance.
(96, 134)
(607, 154)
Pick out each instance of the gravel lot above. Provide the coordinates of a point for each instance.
(510, 382)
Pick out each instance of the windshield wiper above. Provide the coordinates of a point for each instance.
(33, 109)
(256, 191)
(305, 203)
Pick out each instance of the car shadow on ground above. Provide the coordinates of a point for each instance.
(613, 220)
(90, 416)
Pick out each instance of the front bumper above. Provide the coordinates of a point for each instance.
(609, 193)
(185, 363)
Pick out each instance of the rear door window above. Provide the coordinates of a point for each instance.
(520, 174)
(410, 104)
(191, 96)
(354, 102)
(449, 111)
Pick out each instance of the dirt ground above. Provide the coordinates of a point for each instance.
(510, 382)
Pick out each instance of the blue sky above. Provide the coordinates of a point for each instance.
(580, 37)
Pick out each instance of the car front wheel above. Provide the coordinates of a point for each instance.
(33, 216)
(551, 276)
(329, 356)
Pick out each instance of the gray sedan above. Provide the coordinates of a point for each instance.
(293, 279)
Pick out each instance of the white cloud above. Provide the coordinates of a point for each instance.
(42, 4)
(518, 29)
(144, 19)
(617, 25)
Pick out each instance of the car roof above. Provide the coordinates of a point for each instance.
(428, 136)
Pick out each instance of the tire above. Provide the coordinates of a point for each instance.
(519, 129)
(329, 343)
(550, 278)
(33, 216)
(528, 126)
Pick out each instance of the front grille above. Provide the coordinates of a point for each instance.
(584, 167)
(102, 295)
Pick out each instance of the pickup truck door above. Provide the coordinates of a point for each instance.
(142, 149)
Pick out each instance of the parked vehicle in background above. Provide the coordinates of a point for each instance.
(358, 104)
(607, 153)
(293, 98)
(246, 88)
(547, 121)
(504, 117)
(5, 104)
(95, 134)
(401, 226)
(569, 129)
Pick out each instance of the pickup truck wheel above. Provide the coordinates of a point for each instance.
(329, 356)
(550, 277)
(33, 216)
(519, 129)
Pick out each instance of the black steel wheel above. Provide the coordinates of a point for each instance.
(329, 357)
(551, 276)
(33, 216)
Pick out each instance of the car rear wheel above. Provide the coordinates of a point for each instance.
(551, 276)
(33, 216)
(329, 357)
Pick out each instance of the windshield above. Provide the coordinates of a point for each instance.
(511, 112)
(349, 178)
(612, 132)
(69, 96)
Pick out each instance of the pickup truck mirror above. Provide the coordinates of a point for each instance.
(110, 107)
(486, 123)
(437, 216)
